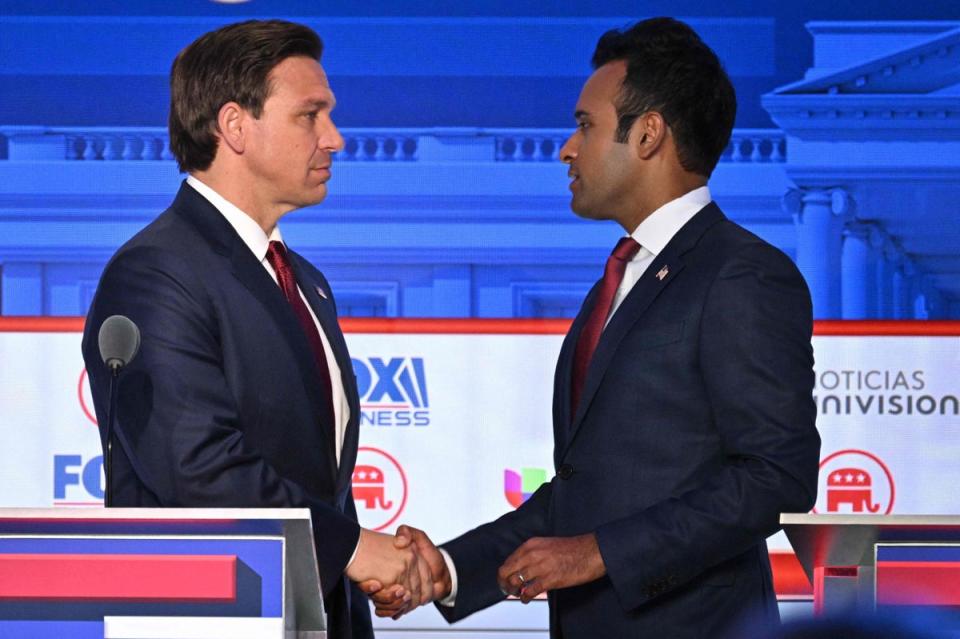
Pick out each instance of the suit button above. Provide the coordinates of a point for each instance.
(565, 471)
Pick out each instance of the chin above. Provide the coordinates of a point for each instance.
(316, 196)
(585, 212)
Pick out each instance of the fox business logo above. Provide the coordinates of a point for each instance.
(78, 478)
(77, 481)
(393, 391)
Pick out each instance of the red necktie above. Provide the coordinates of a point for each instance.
(277, 256)
(625, 250)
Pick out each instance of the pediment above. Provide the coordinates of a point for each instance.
(924, 68)
(949, 90)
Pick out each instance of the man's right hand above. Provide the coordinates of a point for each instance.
(385, 599)
(382, 560)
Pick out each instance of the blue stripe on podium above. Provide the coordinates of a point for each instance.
(51, 629)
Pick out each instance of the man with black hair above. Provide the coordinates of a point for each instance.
(242, 394)
(683, 412)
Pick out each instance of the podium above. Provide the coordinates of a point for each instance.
(159, 573)
(864, 563)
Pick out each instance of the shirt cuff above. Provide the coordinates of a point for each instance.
(354, 555)
(451, 599)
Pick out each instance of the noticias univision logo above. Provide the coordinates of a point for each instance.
(393, 391)
(518, 488)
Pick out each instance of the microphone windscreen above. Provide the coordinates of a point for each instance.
(119, 341)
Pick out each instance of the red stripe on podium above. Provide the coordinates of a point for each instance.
(789, 579)
(194, 578)
(918, 583)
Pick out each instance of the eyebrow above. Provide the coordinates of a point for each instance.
(318, 104)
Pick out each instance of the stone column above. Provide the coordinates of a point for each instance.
(819, 215)
(888, 255)
(935, 307)
(902, 289)
(858, 273)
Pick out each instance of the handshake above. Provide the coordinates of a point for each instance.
(400, 573)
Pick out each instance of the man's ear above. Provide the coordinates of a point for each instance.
(231, 121)
(648, 134)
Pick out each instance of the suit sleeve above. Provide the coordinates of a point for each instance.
(756, 363)
(178, 421)
(478, 554)
(361, 624)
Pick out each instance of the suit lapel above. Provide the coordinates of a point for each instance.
(662, 271)
(564, 376)
(251, 274)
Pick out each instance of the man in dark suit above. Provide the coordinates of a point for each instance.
(242, 394)
(683, 416)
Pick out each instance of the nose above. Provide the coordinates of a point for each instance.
(568, 152)
(330, 139)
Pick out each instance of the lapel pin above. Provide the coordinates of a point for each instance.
(322, 293)
(663, 273)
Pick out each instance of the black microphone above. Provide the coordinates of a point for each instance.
(119, 341)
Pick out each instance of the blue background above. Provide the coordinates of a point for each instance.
(449, 200)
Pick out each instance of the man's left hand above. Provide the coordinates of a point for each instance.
(549, 563)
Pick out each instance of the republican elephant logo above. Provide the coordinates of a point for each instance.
(379, 488)
(368, 487)
(852, 487)
(855, 482)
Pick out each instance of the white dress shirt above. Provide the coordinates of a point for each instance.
(652, 235)
(258, 242)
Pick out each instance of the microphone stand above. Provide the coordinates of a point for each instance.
(115, 367)
(119, 341)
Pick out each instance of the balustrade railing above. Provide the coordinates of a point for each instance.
(360, 144)
(756, 145)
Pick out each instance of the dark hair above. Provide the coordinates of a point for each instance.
(230, 64)
(670, 70)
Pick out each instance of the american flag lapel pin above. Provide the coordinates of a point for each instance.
(662, 273)
(322, 293)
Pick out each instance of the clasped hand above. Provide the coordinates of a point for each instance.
(395, 566)
(394, 599)
(538, 565)
(542, 564)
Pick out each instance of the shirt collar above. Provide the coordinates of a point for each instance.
(660, 226)
(245, 226)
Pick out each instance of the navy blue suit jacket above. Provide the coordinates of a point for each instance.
(694, 432)
(222, 406)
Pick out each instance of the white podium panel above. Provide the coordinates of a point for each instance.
(456, 424)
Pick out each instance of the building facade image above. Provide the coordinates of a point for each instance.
(451, 204)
